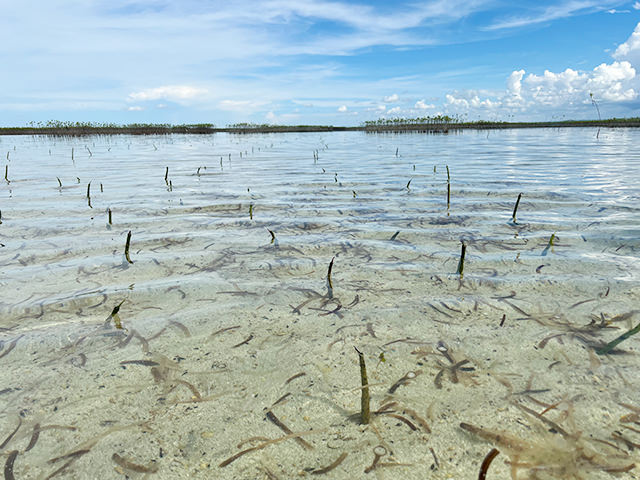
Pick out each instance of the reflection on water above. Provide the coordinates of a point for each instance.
(225, 310)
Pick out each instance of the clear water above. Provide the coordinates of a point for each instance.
(228, 318)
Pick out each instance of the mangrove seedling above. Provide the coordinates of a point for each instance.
(6, 173)
(595, 104)
(114, 315)
(274, 240)
(59, 183)
(611, 345)
(549, 245)
(364, 399)
(448, 195)
(460, 270)
(166, 176)
(89, 194)
(126, 248)
(109, 214)
(394, 236)
(329, 282)
(101, 188)
(251, 211)
(515, 209)
(487, 462)
(408, 183)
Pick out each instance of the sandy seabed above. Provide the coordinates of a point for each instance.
(234, 359)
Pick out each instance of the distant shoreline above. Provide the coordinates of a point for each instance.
(86, 130)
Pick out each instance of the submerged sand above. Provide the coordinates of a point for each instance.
(235, 359)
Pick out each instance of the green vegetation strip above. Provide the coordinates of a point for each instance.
(439, 123)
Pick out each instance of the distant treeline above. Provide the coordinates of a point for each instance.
(436, 124)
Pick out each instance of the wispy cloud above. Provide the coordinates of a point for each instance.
(241, 105)
(552, 12)
(240, 60)
(176, 93)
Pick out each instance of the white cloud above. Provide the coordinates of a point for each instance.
(630, 50)
(391, 98)
(394, 111)
(457, 101)
(176, 93)
(240, 105)
(366, 17)
(514, 82)
(421, 105)
(553, 12)
(342, 108)
(135, 108)
(282, 118)
(567, 91)
(636, 6)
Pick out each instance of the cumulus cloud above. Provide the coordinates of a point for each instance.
(342, 108)
(421, 105)
(391, 98)
(514, 82)
(636, 6)
(135, 108)
(176, 93)
(630, 50)
(568, 90)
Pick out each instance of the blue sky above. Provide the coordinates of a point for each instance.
(316, 61)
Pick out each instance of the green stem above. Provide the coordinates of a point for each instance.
(364, 399)
(460, 270)
(515, 209)
(126, 248)
(611, 345)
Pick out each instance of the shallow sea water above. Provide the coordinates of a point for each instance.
(236, 360)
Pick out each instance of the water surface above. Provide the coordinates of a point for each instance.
(219, 321)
